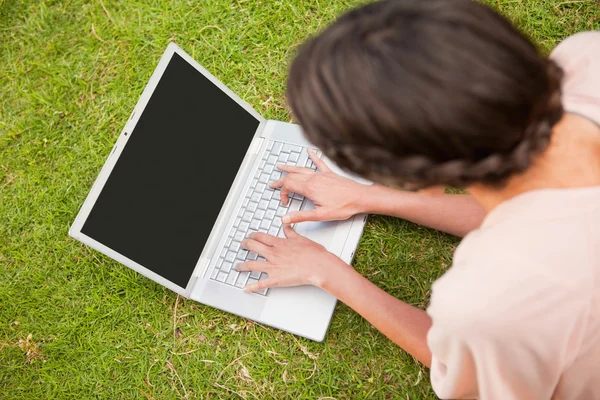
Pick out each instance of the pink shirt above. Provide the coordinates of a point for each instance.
(518, 314)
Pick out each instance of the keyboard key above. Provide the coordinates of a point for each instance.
(261, 258)
(243, 226)
(277, 148)
(295, 205)
(277, 195)
(252, 255)
(233, 275)
(260, 214)
(255, 274)
(241, 212)
(214, 273)
(281, 211)
(226, 266)
(263, 292)
(264, 178)
(294, 157)
(270, 145)
(283, 157)
(252, 206)
(263, 205)
(267, 195)
(271, 160)
(269, 214)
(263, 230)
(234, 246)
(241, 255)
(269, 169)
(302, 160)
(255, 224)
(219, 263)
(276, 222)
(237, 222)
(265, 224)
(241, 280)
(221, 276)
(253, 184)
(260, 187)
(257, 174)
(251, 281)
(273, 204)
(239, 236)
(223, 252)
(245, 202)
(230, 256)
(255, 196)
(287, 148)
(275, 176)
(298, 196)
(247, 216)
(273, 230)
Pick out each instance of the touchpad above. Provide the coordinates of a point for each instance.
(320, 232)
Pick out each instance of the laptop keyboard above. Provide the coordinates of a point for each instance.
(261, 211)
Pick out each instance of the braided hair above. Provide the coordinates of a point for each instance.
(421, 93)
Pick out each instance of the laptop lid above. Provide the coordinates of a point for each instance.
(155, 203)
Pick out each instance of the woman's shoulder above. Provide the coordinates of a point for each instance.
(579, 57)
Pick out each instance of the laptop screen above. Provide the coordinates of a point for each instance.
(163, 196)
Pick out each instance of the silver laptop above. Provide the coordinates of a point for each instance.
(188, 180)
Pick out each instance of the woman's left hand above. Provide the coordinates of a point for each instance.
(293, 261)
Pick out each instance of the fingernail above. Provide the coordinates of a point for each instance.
(285, 219)
(246, 289)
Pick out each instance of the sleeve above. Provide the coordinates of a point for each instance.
(499, 335)
(579, 56)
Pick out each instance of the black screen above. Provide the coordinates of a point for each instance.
(163, 196)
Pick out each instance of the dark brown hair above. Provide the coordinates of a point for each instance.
(420, 93)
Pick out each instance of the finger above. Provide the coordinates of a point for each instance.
(264, 284)
(277, 184)
(294, 182)
(261, 266)
(263, 238)
(257, 247)
(292, 169)
(316, 214)
(321, 165)
(289, 232)
(284, 196)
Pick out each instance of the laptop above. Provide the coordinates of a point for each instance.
(188, 180)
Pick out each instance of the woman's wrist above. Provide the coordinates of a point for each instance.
(377, 199)
(324, 277)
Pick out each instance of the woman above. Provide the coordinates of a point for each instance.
(419, 94)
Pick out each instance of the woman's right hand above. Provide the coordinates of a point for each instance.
(335, 197)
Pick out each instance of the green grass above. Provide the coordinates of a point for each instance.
(70, 73)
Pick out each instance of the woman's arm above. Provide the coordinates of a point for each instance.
(405, 325)
(300, 261)
(457, 214)
(338, 198)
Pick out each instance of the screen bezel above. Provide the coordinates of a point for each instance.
(86, 208)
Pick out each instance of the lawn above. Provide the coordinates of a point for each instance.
(76, 325)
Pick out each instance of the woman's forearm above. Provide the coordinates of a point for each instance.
(404, 324)
(457, 214)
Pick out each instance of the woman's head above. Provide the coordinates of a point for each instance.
(420, 93)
